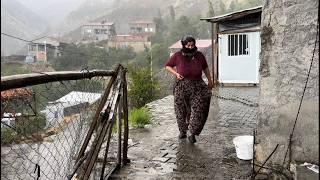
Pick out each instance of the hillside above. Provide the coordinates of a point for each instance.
(18, 20)
(121, 12)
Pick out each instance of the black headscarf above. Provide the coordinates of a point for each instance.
(187, 51)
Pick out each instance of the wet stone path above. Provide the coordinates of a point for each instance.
(156, 153)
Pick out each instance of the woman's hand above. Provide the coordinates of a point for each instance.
(171, 70)
(210, 82)
(179, 77)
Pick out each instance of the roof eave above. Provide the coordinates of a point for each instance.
(233, 15)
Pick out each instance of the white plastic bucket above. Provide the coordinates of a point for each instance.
(244, 147)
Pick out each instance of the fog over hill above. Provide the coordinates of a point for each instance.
(121, 12)
(18, 20)
(34, 18)
(52, 11)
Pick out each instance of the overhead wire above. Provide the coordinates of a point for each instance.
(49, 47)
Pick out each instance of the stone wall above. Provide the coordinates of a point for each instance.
(288, 36)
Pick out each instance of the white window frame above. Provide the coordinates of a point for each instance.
(237, 49)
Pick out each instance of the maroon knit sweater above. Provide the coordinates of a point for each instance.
(189, 67)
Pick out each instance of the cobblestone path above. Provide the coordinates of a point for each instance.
(156, 152)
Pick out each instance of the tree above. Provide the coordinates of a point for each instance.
(181, 28)
(252, 3)
(210, 11)
(222, 7)
(161, 28)
(203, 27)
(159, 55)
(172, 13)
(232, 6)
(92, 57)
(73, 58)
(142, 89)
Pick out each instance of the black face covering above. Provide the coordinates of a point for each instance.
(189, 52)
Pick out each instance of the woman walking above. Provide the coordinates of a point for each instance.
(191, 94)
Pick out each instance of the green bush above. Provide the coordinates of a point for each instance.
(139, 117)
(142, 89)
(31, 125)
(8, 135)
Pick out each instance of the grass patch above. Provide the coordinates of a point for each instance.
(139, 117)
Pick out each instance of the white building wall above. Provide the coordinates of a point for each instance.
(239, 68)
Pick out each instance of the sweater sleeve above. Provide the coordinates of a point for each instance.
(172, 61)
(204, 62)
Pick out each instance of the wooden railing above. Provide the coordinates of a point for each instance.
(112, 108)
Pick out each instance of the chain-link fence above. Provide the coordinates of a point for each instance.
(44, 126)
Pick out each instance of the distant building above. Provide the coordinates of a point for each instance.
(9, 119)
(9, 100)
(73, 103)
(40, 49)
(29, 59)
(146, 28)
(138, 43)
(93, 32)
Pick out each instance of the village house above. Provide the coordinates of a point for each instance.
(9, 99)
(236, 47)
(138, 37)
(137, 42)
(98, 31)
(142, 27)
(73, 103)
(42, 48)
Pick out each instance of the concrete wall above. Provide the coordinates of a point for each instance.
(287, 44)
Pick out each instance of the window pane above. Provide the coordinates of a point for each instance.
(232, 45)
(229, 45)
(236, 45)
(240, 44)
(247, 45)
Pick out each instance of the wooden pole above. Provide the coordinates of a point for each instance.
(125, 119)
(109, 132)
(119, 134)
(215, 54)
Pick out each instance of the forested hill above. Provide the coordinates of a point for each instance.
(121, 12)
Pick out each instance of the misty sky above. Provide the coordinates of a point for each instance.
(53, 11)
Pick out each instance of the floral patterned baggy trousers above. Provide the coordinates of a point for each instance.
(191, 104)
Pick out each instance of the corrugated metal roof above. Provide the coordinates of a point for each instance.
(200, 43)
(54, 41)
(77, 97)
(233, 15)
